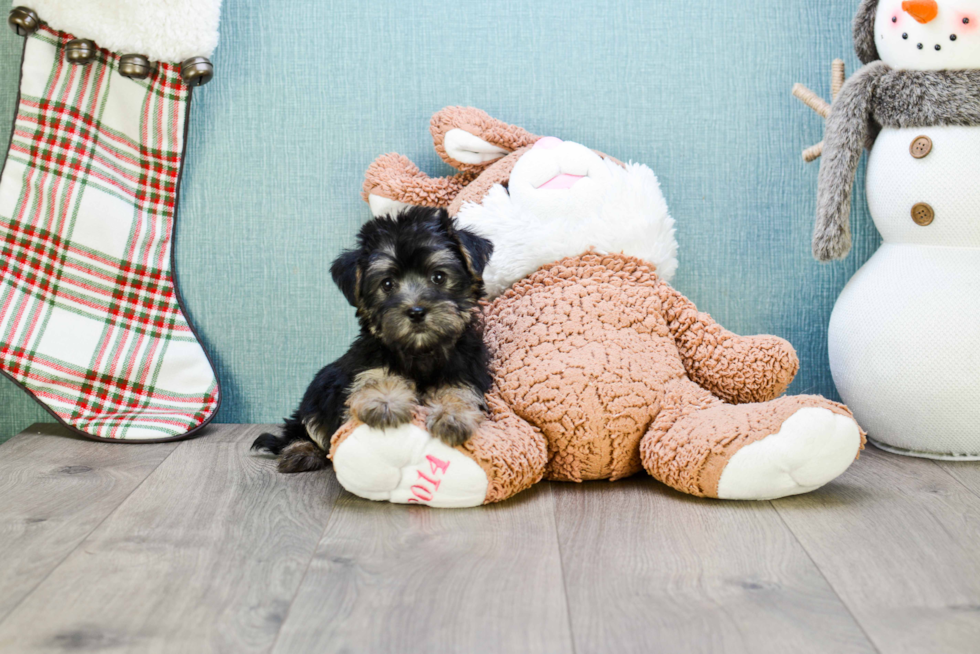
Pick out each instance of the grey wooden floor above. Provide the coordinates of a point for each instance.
(203, 547)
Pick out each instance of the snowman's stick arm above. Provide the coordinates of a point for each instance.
(815, 102)
(837, 78)
(845, 137)
(811, 99)
(813, 152)
(819, 105)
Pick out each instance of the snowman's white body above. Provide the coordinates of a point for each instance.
(904, 337)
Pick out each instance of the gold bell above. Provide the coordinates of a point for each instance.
(23, 21)
(135, 66)
(197, 71)
(80, 51)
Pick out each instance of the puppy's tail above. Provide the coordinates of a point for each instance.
(292, 431)
(296, 451)
(270, 443)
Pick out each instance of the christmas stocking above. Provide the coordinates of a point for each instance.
(91, 322)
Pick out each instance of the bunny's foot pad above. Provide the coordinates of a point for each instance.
(813, 447)
(406, 465)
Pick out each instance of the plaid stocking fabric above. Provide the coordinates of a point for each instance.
(90, 319)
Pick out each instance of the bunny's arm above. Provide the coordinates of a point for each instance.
(737, 369)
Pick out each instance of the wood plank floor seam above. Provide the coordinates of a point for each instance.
(201, 546)
(306, 569)
(83, 539)
(204, 556)
(897, 540)
(974, 491)
(829, 584)
(650, 569)
(399, 579)
(561, 561)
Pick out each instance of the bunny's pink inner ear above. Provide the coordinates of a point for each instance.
(469, 139)
(467, 148)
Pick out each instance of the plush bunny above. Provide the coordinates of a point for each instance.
(905, 332)
(601, 369)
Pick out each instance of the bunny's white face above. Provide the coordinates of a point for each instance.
(929, 34)
(563, 200)
(560, 181)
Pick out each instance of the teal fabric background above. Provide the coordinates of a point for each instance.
(307, 93)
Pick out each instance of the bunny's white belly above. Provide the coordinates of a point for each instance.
(904, 344)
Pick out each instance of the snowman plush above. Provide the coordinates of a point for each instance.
(904, 337)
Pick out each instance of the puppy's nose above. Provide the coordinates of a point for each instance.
(416, 314)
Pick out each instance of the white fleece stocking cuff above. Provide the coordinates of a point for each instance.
(162, 30)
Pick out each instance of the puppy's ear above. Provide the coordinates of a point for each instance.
(346, 273)
(476, 251)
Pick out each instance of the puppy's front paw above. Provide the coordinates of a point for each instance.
(384, 412)
(454, 427)
(382, 400)
(456, 413)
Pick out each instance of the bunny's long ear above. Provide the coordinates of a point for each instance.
(468, 139)
(392, 182)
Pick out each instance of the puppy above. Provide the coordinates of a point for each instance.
(416, 281)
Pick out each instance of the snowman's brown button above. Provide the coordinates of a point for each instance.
(921, 147)
(922, 214)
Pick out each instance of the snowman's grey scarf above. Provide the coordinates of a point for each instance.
(875, 97)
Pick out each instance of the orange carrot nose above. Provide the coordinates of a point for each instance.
(921, 10)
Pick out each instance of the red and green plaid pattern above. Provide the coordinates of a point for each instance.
(90, 321)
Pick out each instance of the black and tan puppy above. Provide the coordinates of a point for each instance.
(416, 281)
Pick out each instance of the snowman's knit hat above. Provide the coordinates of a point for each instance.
(864, 31)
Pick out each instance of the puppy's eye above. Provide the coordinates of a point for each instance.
(438, 278)
(387, 285)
